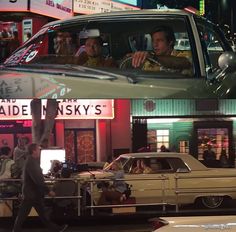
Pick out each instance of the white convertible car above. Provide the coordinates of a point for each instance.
(176, 179)
(195, 224)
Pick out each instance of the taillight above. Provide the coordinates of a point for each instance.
(157, 223)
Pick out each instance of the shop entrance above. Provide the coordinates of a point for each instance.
(80, 145)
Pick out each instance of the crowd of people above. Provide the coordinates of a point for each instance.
(9, 42)
(210, 159)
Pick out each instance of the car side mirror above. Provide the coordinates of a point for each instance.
(182, 170)
(227, 61)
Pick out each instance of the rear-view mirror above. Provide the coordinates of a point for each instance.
(89, 33)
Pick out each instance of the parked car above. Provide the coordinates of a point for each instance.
(176, 179)
(38, 62)
(195, 223)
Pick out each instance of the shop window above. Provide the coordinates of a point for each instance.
(217, 138)
(162, 138)
(184, 146)
(152, 140)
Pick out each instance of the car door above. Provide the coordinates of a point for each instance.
(213, 44)
(149, 188)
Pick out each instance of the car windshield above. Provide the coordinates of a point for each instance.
(123, 162)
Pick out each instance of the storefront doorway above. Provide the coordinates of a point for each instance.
(80, 145)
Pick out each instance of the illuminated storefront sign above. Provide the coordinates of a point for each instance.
(131, 2)
(99, 6)
(14, 5)
(202, 7)
(54, 8)
(19, 109)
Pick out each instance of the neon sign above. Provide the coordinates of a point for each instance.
(19, 109)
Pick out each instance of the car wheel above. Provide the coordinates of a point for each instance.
(212, 202)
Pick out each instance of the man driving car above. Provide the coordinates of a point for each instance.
(163, 56)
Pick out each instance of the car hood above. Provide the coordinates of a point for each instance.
(98, 174)
(57, 83)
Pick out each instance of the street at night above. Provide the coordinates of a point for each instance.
(117, 115)
(105, 224)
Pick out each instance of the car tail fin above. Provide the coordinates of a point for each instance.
(157, 223)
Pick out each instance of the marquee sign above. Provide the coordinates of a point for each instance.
(99, 6)
(59, 9)
(14, 5)
(19, 109)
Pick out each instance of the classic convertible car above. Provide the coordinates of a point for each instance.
(40, 69)
(175, 179)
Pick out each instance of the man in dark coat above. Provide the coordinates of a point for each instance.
(33, 191)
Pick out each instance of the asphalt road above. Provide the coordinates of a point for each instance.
(111, 223)
(94, 228)
(104, 224)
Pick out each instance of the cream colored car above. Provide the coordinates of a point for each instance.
(195, 224)
(51, 64)
(176, 179)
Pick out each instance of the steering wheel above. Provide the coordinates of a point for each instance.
(126, 63)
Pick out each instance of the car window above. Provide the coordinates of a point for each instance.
(123, 162)
(156, 165)
(213, 44)
(160, 165)
(176, 163)
(182, 42)
(63, 44)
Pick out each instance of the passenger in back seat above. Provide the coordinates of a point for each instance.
(138, 168)
(145, 166)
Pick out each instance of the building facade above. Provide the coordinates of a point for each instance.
(187, 126)
(89, 130)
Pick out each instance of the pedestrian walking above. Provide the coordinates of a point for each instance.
(33, 191)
